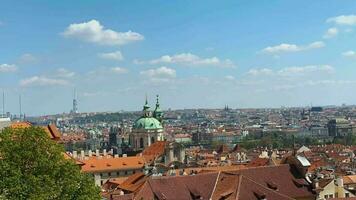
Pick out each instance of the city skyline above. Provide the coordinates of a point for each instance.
(200, 54)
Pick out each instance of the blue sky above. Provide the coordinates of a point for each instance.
(195, 54)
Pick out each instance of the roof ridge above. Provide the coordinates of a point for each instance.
(239, 186)
(216, 182)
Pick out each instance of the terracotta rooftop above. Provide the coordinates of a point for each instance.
(20, 125)
(232, 186)
(51, 129)
(273, 182)
(107, 164)
(134, 182)
(156, 149)
(181, 187)
(351, 179)
(258, 162)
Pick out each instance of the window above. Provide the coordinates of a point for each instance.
(141, 143)
(109, 174)
(125, 172)
(347, 194)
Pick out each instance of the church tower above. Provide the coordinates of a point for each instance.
(157, 113)
(147, 129)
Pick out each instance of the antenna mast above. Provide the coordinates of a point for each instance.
(20, 105)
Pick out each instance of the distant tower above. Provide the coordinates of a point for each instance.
(75, 103)
(3, 103)
(157, 113)
(20, 105)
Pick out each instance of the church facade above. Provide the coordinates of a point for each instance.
(148, 128)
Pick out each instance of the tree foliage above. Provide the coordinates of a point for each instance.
(32, 166)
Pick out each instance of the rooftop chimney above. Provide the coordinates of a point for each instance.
(340, 182)
(75, 154)
(82, 154)
(90, 153)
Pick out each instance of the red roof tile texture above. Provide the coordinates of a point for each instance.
(108, 164)
(277, 183)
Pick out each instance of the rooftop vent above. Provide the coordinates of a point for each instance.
(260, 195)
(272, 185)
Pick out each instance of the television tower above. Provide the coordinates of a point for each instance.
(75, 103)
(3, 103)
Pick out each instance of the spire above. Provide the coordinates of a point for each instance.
(146, 106)
(157, 101)
(157, 113)
(146, 112)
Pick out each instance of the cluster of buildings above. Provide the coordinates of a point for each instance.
(196, 154)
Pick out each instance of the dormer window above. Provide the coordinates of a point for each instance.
(272, 185)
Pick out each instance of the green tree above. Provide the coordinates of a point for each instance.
(32, 166)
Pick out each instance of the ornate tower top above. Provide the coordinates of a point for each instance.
(157, 113)
(146, 112)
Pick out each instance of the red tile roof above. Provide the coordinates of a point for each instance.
(156, 149)
(181, 187)
(258, 162)
(51, 129)
(107, 164)
(133, 182)
(277, 183)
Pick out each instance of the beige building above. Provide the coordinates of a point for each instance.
(331, 188)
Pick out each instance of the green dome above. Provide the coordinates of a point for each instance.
(148, 123)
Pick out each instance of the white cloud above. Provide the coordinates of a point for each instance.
(350, 54)
(301, 70)
(161, 74)
(348, 20)
(331, 32)
(92, 31)
(7, 68)
(42, 81)
(27, 58)
(119, 70)
(64, 73)
(229, 77)
(285, 48)
(117, 55)
(292, 71)
(190, 59)
(257, 72)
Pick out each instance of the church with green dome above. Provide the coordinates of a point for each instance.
(148, 128)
